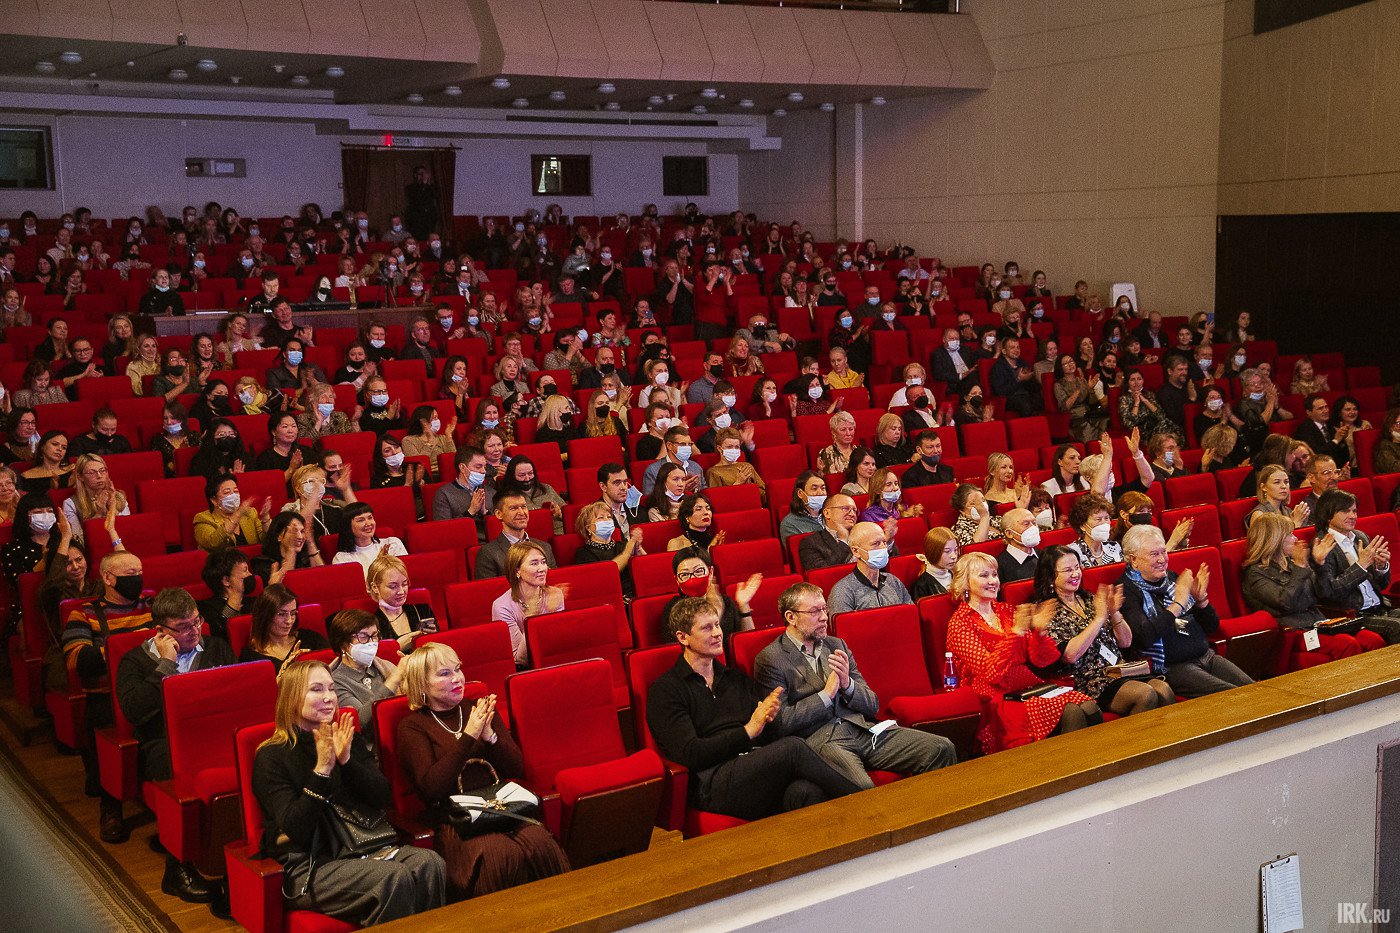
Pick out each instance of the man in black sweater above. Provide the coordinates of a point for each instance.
(177, 647)
(928, 470)
(715, 721)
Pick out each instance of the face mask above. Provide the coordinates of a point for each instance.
(4, 233)
(1256, 396)
(873, 301)
(247, 262)
(1169, 457)
(647, 252)
(1205, 364)
(129, 588)
(1215, 404)
(770, 396)
(548, 388)
(888, 316)
(175, 428)
(1124, 309)
(446, 322)
(878, 557)
(845, 264)
(663, 377)
(954, 345)
(475, 479)
(199, 263)
(364, 654)
(1044, 519)
(847, 320)
(294, 357)
(436, 425)
(815, 503)
(814, 392)
(1030, 537)
(1101, 533)
(730, 454)
(42, 521)
(990, 341)
(1239, 362)
(1004, 294)
(83, 257)
(723, 421)
(890, 495)
(683, 453)
(1114, 339)
(695, 586)
(1140, 518)
(379, 399)
(489, 423)
(605, 528)
(534, 321)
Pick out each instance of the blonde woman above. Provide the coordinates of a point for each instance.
(252, 397)
(233, 337)
(557, 423)
(121, 341)
(1273, 492)
(603, 416)
(835, 457)
(387, 582)
(1003, 485)
(146, 363)
(508, 378)
(94, 495)
(308, 486)
(530, 595)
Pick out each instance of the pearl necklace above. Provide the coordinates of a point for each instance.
(461, 725)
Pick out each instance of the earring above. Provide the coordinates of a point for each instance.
(425, 699)
(967, 594)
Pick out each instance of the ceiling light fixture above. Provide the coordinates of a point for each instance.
(500, 83)
(780, 112)
(207, 64)
(709, 93)
(452, 90)
(335, 71)
(235, 79)
(656, 100)
(414, 98)
(746, 104)
(827, 106)
(70, 58)
(612, 105)
(300, 80)
(698, 108)
(878, 101)
(45, 68)
(795, 97)
(520, 102)
(607, 87)
(178, 74)
(557, 96)
(278, 69)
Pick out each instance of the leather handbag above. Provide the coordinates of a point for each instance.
(358, 831)
(493, 814)
(1129, 669)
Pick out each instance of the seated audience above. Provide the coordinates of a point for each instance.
(696, 516)
(276, 634)
(1274, 493)
(388, 584)
(1091, 517)
(469, 495)
(868, 586)
(829, 546)
(529, 595)
(512, 510)
(939, 558)
(358, 542)
(1356, 572)
(602, 541)
(362, 678)
(231, 520)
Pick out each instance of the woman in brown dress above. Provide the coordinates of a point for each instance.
(437, 745)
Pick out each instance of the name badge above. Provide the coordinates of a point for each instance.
(1107, 654)
(1311, 640)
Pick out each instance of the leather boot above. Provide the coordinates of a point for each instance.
(182, 881)
(111, 826)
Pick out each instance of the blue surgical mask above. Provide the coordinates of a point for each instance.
(890, 495)
(294, 357)
(878, 557)
(634, 497)
(379, 399)
(475, 479)
(683, 453)
(605, 528)
(847, 320)
(815, 503)
(324, 409)
(489, 422)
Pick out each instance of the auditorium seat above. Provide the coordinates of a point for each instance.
(116, 745)
(576, 635)
(485, 653)
(329, 585)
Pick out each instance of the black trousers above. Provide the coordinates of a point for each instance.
(784, 775)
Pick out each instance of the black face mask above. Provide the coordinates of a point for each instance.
(1142, 518)
(975, 403)
(607, 369)
(716, 371)
(548, 389)
(250, 583)
(129, 588)
(226, 444)
(601, 411)
(921, 402)
(567, 419)
(220, 403)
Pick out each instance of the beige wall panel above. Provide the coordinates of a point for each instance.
(1237, 69)
(74, 19)
(1351, 130)
(1083, 13)
(1305, 195)
(213, 23)
(1385, 96)
(449, 31)
(918, 41)
(685, 56)
(21, 17)
(136, 20)
(393, 36)
(732, 44)
(577, 39)
(780, 45)
(526, 46)
(876, 51)
(828, 45)
(1071, 137)
(967, 53)
(1294, 104)
(1002, 18)
(1385, 192)
(1347, 193)
(279, 26)
(627, 39)
(339, 28)
(1239, 18)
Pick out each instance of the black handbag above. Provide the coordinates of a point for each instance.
(493, 815)
(358, 831)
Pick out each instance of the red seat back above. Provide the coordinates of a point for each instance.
(1183, 491)
(435, 571)
(204, 708)
(576, 635)
(485, 653)
(564, 717)
(748, 525)
(745, 646)
(735, 562)
(888, 651)
(246, 741)
(393, 507)
(1205, 528)
(330, 585)
(589, 585)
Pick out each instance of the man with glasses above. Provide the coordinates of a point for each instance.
(716, 722)
(827, 701)
(177, 647)
(830, 546)
(1323, 476)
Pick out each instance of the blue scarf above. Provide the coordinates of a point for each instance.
(1154, 597)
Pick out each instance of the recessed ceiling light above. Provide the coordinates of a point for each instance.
(795, 96)
(300, 80)
(278, 69)
(414, 98)
(178, 74)
(828, 106)
(656, 99)
(235, 79)
(557, 96)
(612, 105)
(131, 64)
(607, 87)
(709, 93)
(70, 58)
(780, 112)
(45, 68)
(698, 108)
(335, 71)
(520, 102)
(207, 64)
(500, 83)
(452, 90)
(878, 101)
(746, 103)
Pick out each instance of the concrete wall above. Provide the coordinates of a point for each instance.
(1310, 114)
(1175, 848)
(117, 166)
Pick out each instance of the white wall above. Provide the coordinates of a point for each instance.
(1174, 848)
(119, 165)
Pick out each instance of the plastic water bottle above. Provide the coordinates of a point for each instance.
(950, 672)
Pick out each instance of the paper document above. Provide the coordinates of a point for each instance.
(1283, 895)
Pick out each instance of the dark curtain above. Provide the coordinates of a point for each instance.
(375, 180)
(354, 176)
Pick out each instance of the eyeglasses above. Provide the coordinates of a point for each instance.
(819, 610)
(364, 638)
(182, 629)
(844, 508)
(685, 575)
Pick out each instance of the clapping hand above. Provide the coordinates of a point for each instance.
(839, 664)
(1322, 546)
(744, 594)
(479, 720)
(1134, 443)
(1200, 588)
(765, 712)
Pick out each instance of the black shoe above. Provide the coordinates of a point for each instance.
(182, 881)
(111, 826)
(219, 906)
(155, 845)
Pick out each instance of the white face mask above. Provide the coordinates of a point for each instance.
(1215, 404)
(814, 392)
(42, 521)
(394, 460)
(1044, 519)
(230, 502)
(663, 377)
(364, 654)
(1169, 457)
(1239, 360)
(954, 346)
(1101, 533)
(723, 421)
(730, 454)
(1030, 537)
(914, 381)
(436, 425)
(770, 396)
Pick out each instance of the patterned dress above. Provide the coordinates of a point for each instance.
(994, 661)
(1091, 670)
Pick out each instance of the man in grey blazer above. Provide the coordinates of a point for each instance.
(827, 701)
(514, 513)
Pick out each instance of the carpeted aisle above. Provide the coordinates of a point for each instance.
(50, 880)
